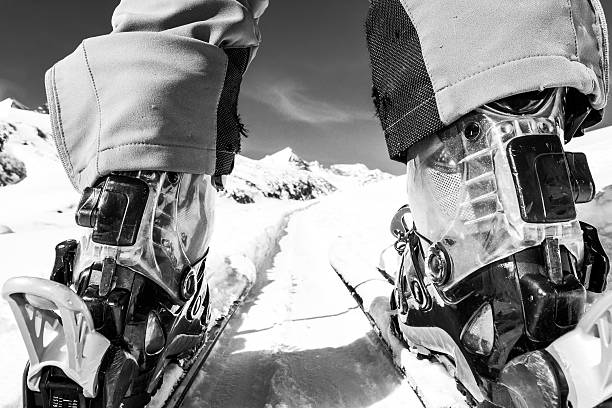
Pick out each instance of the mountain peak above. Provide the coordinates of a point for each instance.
(285, 157)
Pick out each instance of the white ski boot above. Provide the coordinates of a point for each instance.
(495, 267)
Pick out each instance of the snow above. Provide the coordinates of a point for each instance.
(241, 245)
(245, 247)
(299, 340)
(284, 175)
(356, 261)
(28, 117)
(597, 146)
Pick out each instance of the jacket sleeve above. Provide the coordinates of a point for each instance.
(159, 92)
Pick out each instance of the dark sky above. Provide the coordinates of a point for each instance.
(309, 87)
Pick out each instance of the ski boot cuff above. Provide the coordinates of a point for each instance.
(157, 224)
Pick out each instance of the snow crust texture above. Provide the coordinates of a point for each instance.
(300, 340)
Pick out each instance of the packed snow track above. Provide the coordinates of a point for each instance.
(299, 339)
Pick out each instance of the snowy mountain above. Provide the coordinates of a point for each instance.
(284, 175)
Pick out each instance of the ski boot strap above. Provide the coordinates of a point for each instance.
(42, 307)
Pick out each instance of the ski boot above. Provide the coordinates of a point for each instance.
(125, 301)
(497, 274)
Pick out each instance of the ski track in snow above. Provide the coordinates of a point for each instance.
(241, 243)
(300, 340)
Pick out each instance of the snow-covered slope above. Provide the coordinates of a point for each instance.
(38, 212)
(597, 145)
(356, 259)
(299, 339)
(284, 175)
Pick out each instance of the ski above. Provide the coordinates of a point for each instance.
(177, 395)
(575, 355)
(130, 303)
(371, 287)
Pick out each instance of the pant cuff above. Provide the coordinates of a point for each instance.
(136, 101)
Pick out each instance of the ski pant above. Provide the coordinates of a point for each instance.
(147, 96)
(160, 91)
